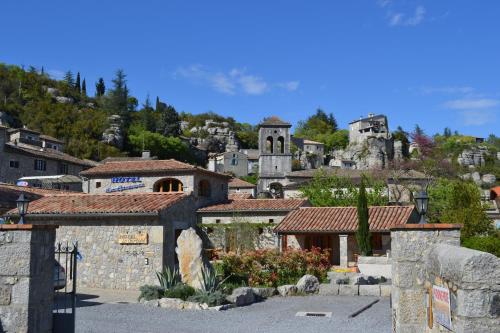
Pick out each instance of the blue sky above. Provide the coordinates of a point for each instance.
(435, 63)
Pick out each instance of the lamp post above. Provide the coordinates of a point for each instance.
(421, 203)
(22, 206)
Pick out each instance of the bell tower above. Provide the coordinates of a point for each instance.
(275, 159)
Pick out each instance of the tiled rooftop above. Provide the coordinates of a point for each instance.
(47, 153)
(342, 219)
(103, 203)
(144, 166)
(274, 121)
(237, 182)
(256, 205)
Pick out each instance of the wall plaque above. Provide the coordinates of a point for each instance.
(441, 306)
(133, 238)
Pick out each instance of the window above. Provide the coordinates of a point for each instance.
(63, 168)
(40, 165)
(281, 145)
(234, 160)
(168, 185)
(204, 188)
(14, 164)
(97, 184)
(271, 220)
(269, 145)
(217, 221)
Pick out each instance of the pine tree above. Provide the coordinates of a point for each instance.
(77, 83)
(84, 88)
(168, 124)
(148, 116)
(69, 79)
(363, 236)
(118, 102)
(100, 88)
(418, 130)
(447, 132)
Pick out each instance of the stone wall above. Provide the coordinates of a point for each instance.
(26, 278)
(430, 254)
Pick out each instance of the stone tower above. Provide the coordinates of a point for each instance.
(275, 159)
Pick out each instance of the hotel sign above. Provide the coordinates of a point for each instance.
(134, 238)
(136, 183)
(441, 306)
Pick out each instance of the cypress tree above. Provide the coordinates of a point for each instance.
(84, 88)
(363, 236)
(77, 83)
(100, 88)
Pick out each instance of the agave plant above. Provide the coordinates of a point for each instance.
(211, 282)
(168, 278)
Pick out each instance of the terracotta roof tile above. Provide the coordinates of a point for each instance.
(237, 182)
(256, 205)
(103, 203)
(4, 187)
(144, 166)
(47, 153)
(342, 219)
(239, 196)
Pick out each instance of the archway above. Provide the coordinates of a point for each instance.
(269, 145)
(281, 145)
(168, 185)
(276, 190)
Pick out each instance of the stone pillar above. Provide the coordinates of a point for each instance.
(410, 246)
(26, 277)
(343, 247)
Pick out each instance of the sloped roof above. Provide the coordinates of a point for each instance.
(342, 219)
(47, 153)
(237, 182)
(103, 203)
(50, 138)
(255, 205)
(239, 196)
(145, 166)
(311, 142)
(274, 121)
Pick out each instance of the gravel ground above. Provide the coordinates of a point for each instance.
(274, 315)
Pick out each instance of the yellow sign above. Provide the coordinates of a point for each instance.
(135, 238)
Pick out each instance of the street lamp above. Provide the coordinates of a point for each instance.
(22, 206)
(421, 202)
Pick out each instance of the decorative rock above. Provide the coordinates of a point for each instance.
(64, 100)
(264, 292)
(476, 177)
(369, 290)
(222, 307)
(154, 303)
(53, 91)
(328, 289)
(171, 303)
(368, 280)
(241, 296)
(308, 284)
(189, 251)
(287, 290)
(348, 290)
(489, 179)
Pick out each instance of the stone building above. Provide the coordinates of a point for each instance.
(371, 145)
(135, 176)
(335, 228)
(252, 159)
(309, 153)
(233, 162)
(123, 239)
(275, 160)
(220, 221)
(27, 153)
(239, 186)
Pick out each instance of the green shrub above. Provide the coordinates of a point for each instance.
(271, 268)
(490, 244)
(180, 290)
(210, 298)
(211, 282)
(168, 278)
(149, 292)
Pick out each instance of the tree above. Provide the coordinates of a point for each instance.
(447, 132)
(418, 130)
(327, 190)
(69, 79)
(363, 235)
(118, 98)
(148, 119)
(319, 127)
(402, 136)
(77, 83)
(84, 88)
(168, 124)
(100, 88)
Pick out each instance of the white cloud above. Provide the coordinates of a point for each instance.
(232, 82)
(56, 74)
(402, 19)
(476, 117)
(383, 3)
(467, 103)
(449, 90)
(289, 85)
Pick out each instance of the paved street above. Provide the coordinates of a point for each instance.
(274, 315)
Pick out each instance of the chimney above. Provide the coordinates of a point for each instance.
(146, 154)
